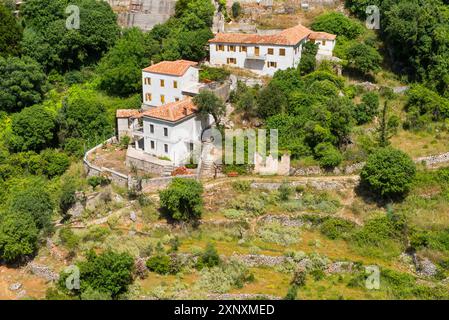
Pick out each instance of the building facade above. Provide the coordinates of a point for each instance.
(265, 54)
(173, 132)
(168, 81)
(167, 128)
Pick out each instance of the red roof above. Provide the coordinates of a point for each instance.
(322, 36)
(175, 68)
(173, 111)
(290, 36)
(127, 113)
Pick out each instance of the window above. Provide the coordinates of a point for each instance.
(191, 146)
(162, 83)
(166, 148)
(152, 144)
(323, 42)
(220, 47)
(148, 96)
(243, 49)
(231, 48)
(282, 52)
(313, 41)
(175, 84)
(165, 132)
(147, 81)
(162, 98)
(231, 61)
(272, 64)
(270, 51)
(151, 128)
(256, 51)
(176, 99)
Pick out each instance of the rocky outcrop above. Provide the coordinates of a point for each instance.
(42, 271)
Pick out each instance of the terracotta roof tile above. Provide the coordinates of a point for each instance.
(127, 113)
(290, 36)
(173, 111)
(175, 68)
(322, 36)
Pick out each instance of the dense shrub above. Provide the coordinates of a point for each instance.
(241, 186)
(69, 238)
(96, 181)
(339, 24)
(213, 74)
(388, 172)
(159, 263)
(209, 258)
(18, 236)
(366, 110)
(35, 202)
(182, 200)
(328, 156)
(335, 228)
(109, 273)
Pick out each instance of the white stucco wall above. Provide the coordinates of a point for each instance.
(180, 134)
(168, 90)
(260, 65)
(326, 47)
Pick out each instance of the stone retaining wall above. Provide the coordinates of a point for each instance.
(154, 184)
(429, 161)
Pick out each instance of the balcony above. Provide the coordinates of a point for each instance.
(252, 56)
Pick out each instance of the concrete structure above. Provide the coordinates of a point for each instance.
(169, 81)
(167, 131)
(173, 131)
(265, 54)
(143, 14)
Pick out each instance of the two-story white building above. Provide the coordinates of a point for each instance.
(168, 81)
(173, 131)
(167, 131)
(265, 54)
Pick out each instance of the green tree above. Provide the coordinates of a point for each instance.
(18, 236)
(120, 70)
(308, 58)
(108, 273)
(10, 32)
(83, 115)
(182, 200)
(387, 127)
(365, 111)
(47, 39)
(33, 128)
(328, 155)
(236, 9)
(388, 172)
(338, 24)
(35, 202)
(54, 163)
(271, 101)
(363, 58)
(22, 83)
(209, 258)
(208, 103)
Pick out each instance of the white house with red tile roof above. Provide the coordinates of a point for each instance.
(265, 54)
(173, 130)
(168, 126)
(169, 81)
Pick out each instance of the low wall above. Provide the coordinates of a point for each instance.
(154, 184)
(429, 161)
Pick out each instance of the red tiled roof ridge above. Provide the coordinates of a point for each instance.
(290, 36)
(176, 68)
(173, 111)
(127, 113)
